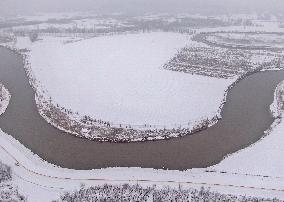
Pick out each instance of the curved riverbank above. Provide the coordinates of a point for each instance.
(277, 107)
(245, 116)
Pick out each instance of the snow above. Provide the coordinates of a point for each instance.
(4, 98)
(277, 106)
(120, 79)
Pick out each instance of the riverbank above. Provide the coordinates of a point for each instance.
(4, 98)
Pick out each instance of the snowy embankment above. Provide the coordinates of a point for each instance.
(4, 98)
(277, 107)
(120, 85)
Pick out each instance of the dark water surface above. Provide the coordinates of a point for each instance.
(245, 116)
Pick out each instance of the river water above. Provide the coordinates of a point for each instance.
(245, 116)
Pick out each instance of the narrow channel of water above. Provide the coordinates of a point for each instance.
(245, 116)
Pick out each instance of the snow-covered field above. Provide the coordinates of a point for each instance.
(121, 79)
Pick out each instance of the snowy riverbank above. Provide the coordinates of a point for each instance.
(4, 98)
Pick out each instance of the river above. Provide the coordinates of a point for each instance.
(245, 116)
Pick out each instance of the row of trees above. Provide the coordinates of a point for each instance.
(5, 173)
(165, 23)
(211, 61)
(137, 193)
